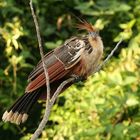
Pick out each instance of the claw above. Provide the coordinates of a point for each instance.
(78, 78)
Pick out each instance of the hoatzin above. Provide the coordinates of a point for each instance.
(78, 57)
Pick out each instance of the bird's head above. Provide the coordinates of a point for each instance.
(93, 34)
(84, 25)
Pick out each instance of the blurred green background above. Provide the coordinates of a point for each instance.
(106, 106)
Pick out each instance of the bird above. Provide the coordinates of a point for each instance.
(78, 57)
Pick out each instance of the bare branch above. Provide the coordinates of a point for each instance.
(108, 57)
(48, 107)
(59, 89)
(41, 51)
(47, 112)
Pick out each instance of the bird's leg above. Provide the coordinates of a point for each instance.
(78, 78)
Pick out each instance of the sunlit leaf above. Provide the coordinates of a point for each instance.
(132, 101)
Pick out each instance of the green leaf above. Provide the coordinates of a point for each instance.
(132, 101)
(129, 80)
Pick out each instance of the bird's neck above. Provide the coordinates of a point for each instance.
(96, 42)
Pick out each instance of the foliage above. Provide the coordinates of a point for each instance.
(106, 106)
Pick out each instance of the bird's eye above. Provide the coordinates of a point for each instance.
(94, 34)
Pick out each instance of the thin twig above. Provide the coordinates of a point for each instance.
(108, 57)
(48, 108)
(59, 89)
(47, 112)
(41, 51)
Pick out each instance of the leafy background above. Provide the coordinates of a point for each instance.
(106, 106)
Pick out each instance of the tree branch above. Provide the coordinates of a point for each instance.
(48, 108)
(50, 102)
(59, 89)
(108, 57)
(41, 51)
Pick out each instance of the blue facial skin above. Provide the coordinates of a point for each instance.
(94, 34)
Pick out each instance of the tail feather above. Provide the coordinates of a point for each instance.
(34, 98)
(18, 112)
(20, 102)
(17, 102)
(25, 102)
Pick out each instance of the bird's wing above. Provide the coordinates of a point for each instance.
(58, 62)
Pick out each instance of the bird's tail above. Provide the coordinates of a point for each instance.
(18, 112)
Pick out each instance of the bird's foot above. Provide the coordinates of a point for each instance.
(77, 78)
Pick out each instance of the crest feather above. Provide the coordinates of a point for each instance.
(84, 25)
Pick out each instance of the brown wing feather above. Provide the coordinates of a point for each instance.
(59, 63)
(56, 71)
(38, 69)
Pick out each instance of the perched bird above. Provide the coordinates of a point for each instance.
(78, 57)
